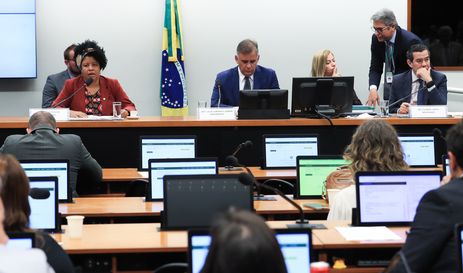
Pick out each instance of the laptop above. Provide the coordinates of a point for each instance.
(419, 150)
(22, 240)
(312, 172)
(192, 201)
(295, 245)
(280, 151)
(47, 168)
(158, 168)
(159, 147)
(44, 212)
(391, 198)
(445, 165)
(459, 237)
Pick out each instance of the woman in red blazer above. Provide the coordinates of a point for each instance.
(90, 93)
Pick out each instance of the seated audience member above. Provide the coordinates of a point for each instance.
(43, 141)
(97, 98)
(246, 76)
(375, 146)
(324, 65)
(242, 242)
(422, 84)
(431, 245)
(14, 193)
(55, 82)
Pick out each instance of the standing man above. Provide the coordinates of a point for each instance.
(55, 82)
(43, 141)
(246, 76)
(389, 45)
(420, 85)
(431, 243)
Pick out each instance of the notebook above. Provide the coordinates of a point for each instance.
(159, 147)
(158, 168)
(44, 212)
(391, 198)
(47, 168)
(312, 172)
(295, 245)
(280, 151)
(419, 150)
(22, 240)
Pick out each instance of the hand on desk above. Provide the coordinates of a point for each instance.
(404, 108)
(373, 98)
(77, 114)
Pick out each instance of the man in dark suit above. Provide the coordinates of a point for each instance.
(55, 82)
(389, 45)
(420, 85)
(431, 243)
(43, 141)
(246, 76)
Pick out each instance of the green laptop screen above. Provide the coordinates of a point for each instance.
(312, 174)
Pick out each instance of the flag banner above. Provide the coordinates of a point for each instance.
(174, 101)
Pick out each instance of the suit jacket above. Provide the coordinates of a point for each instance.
(110, 91)
(14, 260)
(53, 87)
(404, 39)
(402, 86)
(45, 143)
(431, 244)
(264, 78)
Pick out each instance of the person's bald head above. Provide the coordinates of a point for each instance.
(41, 119)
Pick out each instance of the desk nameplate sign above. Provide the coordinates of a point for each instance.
(223, 113)
(428, 111)
(59, 114)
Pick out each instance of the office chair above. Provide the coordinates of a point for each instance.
(172, 268)
(282, 185)
(137, 188)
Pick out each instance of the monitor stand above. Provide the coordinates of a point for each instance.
(263, 114)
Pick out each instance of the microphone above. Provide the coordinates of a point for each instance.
(231, 160)
(248, 179)
(404, 98)
(87, 83)
(219, 88)
(38, 193)
(441, 140)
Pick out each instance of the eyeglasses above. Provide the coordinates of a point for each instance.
(379, 29)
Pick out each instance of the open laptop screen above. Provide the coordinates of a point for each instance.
(158, 168)
(391, 198)
(47, 168)
(44, 212)
(312, 172)
(419, 150)
(295, 245)
(280, 151)
(22, 240)
(459, 250)
(158, 147)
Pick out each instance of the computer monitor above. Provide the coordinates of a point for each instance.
(192, 201)
(445, 165)
(158, 168)
(419, 150)
(263, 104)
(280, 151)
(44, 212)
(295, 245)
(459, 250)
(391, 198)
(22, 240)
(327, 95)
(312, 172)
(159, 147)
(47, 168)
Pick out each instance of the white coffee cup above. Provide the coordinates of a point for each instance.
(75, 226)
(331, 194)
(134, 113)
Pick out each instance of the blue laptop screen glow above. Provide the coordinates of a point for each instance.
(43, 210)
(281, 152)
(158, 148)
(45, 169)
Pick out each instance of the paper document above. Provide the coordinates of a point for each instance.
(90, 117)
(144, 174)
(368, 234)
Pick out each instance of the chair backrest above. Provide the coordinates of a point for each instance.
(172, 268)
(137, 188)
(282, 185)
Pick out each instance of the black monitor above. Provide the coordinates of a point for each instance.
(326, 95)
(263, 104)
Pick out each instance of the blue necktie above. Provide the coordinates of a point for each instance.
(247, 83)
(421, 100)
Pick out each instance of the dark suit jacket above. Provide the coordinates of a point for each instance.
(404, 39)
(431, 244)
(53, 87)
(264, 78)
(402, 86)
(45, 143)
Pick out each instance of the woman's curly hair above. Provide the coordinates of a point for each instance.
(92, 49)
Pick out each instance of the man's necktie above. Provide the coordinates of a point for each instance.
(247, 83)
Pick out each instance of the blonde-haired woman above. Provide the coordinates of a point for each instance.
(375, 146)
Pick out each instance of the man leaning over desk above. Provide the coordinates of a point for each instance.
(248, 75)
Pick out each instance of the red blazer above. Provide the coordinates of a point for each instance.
(110, 91)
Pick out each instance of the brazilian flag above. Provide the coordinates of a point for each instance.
(174, 101)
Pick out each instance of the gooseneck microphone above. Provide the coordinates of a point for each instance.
(38, 193)
(249, 179)
(87, 83)
(231, 160)
(404, 98)
(219, 88)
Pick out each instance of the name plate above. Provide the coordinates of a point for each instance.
(59, 114)
(225, 113)
(428, 111)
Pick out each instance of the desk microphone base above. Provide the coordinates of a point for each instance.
(306, 225)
